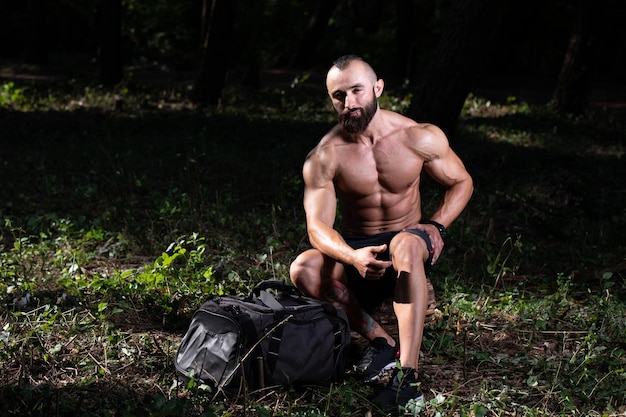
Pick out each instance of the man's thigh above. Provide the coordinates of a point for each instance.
(371, 293)
(313, 273)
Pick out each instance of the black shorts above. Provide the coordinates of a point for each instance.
(371, 292)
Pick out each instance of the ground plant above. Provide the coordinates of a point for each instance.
(122, 211)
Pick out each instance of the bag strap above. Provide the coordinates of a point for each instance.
(274, 347)
(276, 335)
(260, 292)
(337, 331)
(270, 301)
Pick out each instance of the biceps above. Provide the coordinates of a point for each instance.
(448, 170)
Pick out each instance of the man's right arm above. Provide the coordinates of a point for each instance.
(320, 206)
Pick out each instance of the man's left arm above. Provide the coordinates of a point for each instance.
(445, 167)
(451, 173)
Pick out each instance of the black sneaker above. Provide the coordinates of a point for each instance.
(401, 393)
(377, 358)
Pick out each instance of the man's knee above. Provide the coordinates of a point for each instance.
(297, 269)
(305, 273)
(408, 249)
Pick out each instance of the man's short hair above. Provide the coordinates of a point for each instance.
(344, 61)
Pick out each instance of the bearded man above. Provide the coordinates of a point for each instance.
(370, 166)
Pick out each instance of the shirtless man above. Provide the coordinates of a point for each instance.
(371, 164)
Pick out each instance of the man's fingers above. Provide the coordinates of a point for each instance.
(383, 264)
(379, 249)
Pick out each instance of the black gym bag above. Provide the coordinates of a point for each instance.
(275, 336)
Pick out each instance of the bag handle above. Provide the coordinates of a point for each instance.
(278, 285)
(260, 292)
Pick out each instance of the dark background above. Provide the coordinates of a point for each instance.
(571, 53)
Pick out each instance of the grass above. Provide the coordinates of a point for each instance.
(122, 211)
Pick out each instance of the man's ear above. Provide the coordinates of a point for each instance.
(379, 87)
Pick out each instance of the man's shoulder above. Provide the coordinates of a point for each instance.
(335, 137)
(325, 148)
(400, 122)
(425, 132)
(423, 138)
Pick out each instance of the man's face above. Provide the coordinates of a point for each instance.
(354, 92)
(355, 120)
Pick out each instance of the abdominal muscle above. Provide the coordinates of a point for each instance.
(392, 212)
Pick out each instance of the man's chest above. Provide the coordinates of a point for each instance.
(377, 169)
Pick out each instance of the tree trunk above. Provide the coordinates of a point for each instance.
(110, 57)
(461, 53)
(313, 34)
(571, 93)
(216, 53)
(249, 34)
(36, 50)
(405, 37)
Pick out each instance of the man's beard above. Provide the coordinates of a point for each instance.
(358, 124)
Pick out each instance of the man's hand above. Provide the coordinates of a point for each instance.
(368, 265)
(435, 238)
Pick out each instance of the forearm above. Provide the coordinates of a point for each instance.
(454, 201)
(328, 241)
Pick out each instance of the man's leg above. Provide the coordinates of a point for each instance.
(411, 294)
(321, 277)
(318, 276)
(408, 252)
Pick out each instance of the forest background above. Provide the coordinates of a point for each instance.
(150, 157)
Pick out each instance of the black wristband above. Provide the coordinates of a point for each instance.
(439, 226)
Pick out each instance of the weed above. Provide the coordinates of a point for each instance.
(12, 96)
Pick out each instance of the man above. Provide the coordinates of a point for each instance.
(371, 164)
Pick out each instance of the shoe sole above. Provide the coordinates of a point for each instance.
(385, 368)
(413, 406)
